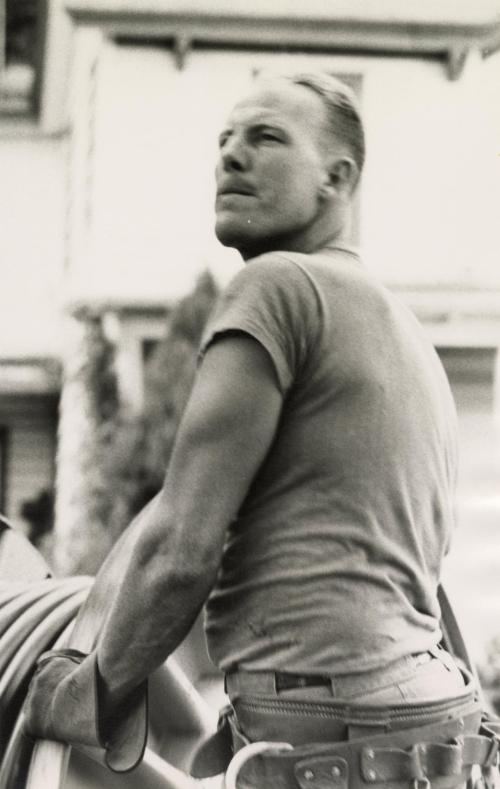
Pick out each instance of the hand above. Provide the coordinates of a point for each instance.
(62, 699)
(63, 703)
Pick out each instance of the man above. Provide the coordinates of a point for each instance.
(309, 497)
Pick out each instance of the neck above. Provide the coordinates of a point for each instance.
(308, 240)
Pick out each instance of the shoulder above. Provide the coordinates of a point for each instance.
(280, 262)
(278, 273)
(270, 300)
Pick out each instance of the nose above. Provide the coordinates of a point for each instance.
(234, 155)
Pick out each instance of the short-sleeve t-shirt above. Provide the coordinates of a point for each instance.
(332, 563)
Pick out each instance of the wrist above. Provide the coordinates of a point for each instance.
(122, 720)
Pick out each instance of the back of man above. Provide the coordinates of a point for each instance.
(333, 563)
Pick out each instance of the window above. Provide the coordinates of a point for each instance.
(21, 35)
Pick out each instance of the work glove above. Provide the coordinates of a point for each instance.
(63, 704)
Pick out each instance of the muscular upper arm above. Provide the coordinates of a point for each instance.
(226, 431)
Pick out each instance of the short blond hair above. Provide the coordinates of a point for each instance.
(342, 107)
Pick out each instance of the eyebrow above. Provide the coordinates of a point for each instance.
(257, 126)
(224, 133)
(269, 125)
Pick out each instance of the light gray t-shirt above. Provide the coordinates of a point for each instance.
(333, 562)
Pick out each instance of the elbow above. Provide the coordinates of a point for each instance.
(175, 553)
(174, 563)
(197, 568)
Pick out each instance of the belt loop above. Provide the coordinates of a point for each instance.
(420, 783)
(249, 683)
(444, 657)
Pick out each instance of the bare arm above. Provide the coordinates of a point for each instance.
(227, 429)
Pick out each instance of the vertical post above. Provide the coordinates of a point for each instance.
(81, 539)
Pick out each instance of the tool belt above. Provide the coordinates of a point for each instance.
(433, 743)
(442, 755)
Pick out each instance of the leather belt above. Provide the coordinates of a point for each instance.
(259, 682)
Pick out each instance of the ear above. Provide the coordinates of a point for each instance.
(342, 176)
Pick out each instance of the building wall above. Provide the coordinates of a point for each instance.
(32, 207)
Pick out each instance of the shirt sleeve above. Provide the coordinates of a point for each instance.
(272, 301)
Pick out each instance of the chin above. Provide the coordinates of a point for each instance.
(232, 234)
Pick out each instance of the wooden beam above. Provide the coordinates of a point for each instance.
(310, 32)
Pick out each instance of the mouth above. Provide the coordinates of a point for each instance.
(235, 189)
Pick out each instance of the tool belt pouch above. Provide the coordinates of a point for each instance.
(77, 719)
(213, 756)
(440, 754)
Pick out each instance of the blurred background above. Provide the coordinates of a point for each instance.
(109, 114)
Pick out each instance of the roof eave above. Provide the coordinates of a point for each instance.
(447, 41)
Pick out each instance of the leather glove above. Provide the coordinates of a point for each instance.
(63, 704)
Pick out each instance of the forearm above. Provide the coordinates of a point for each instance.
(163, 589)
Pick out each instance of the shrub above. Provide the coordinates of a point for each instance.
(139, 447)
